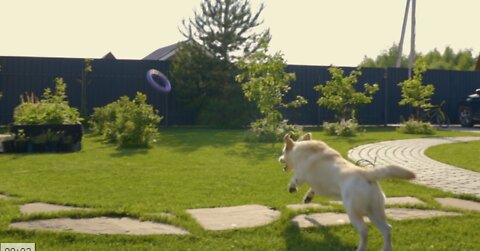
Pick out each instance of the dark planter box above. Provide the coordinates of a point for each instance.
(45, 138)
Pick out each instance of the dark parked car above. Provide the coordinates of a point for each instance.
(469, 110)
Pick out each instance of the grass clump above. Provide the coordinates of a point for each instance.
(412, 126)
(263, 131)
(343, 128)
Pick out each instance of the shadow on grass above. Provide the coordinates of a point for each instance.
(297, 239)
(189, 140)
(257, 151)
(126, 152)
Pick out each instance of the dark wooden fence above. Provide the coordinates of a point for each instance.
(111, 79)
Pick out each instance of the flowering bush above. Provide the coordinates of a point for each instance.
(412, 126)
(128, 123)
(347, 128)
(53, 108)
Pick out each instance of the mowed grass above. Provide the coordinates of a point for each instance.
(465, 154)
(195, 168)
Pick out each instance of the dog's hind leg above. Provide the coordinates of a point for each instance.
(378, 218)
(362, 228)
(308, 196)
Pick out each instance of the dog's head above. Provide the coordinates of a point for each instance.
(287, 148)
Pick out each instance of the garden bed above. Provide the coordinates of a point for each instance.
(44, 138)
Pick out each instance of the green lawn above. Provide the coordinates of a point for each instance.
(465, 155)
(193, 168)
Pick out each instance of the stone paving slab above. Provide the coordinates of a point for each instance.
(409, 214)
(5, 197)
(223, 218)
(330, 219)
(5, 137)
(101, 225)
(321, 219)
(40, 207)
(406, 200)
(459, 203)
(305, 206)
(410, 153)
(164, 215)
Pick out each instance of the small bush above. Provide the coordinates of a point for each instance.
(51, 109)
(347, 128)
(412, 126)
(128, 123)
(262, 131)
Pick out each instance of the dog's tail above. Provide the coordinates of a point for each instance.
(390, 171)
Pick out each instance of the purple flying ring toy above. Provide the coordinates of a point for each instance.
(158, 81)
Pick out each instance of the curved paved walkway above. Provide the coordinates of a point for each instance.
(409, 153)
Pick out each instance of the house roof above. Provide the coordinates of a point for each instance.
(109, 55)
(164, 53)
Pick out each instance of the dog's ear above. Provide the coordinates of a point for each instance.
(305, 137)
(288, 141)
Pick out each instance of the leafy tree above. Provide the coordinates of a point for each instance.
(388, 58)
(448, 60)
(414, 93)
(339, 95)
(265, 82)
(225, 28)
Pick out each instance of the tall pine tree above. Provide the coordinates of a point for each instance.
(226, 28)
(219, 34)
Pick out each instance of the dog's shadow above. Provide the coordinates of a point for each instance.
(315, 238)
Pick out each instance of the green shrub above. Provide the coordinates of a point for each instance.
(340, 96)
(347, 128)
(102, 121)
(412, 126)
(414, 92)
(128, 123)
(51, 109)
(265, 82)
(262, 131)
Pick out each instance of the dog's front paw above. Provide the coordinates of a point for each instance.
(292, 189)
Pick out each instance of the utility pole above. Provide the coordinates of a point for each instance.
(402, 35)
(411, 59)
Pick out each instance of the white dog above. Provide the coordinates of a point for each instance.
(329, 174)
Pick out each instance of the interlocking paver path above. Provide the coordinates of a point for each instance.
(410, 153)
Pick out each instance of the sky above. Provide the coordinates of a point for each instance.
(307, 32)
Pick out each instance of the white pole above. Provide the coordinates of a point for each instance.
(402, 36)
(411, 61)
